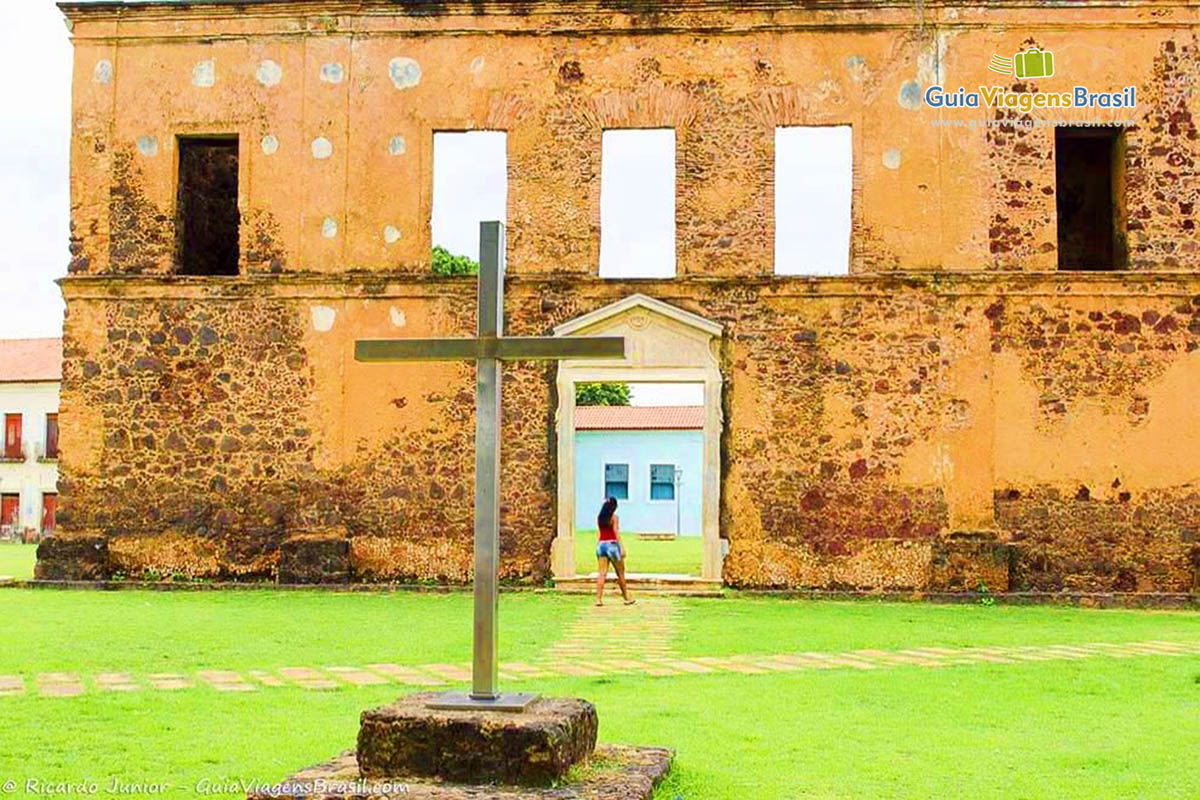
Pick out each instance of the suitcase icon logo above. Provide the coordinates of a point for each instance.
(1033, 63)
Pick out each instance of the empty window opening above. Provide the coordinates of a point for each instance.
(470, 186)
(813, 181)
(637, 204)
(207, 217)
(1089, 169)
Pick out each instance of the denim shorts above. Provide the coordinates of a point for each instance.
(609, 550)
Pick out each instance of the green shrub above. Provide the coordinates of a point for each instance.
(602, 394)
(446, 263)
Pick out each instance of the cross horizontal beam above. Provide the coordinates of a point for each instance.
(515, 348)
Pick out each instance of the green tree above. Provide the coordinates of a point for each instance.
(446, 263)
(602, 394)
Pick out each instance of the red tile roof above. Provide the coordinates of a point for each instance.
(638, 418)
(30, 360)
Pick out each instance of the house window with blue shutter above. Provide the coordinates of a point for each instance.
(662, 481)
(616, 481)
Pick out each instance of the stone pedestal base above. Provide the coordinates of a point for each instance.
(534, 747)
(612, 773)
(81, 556)
(547, 752)
(966, 561)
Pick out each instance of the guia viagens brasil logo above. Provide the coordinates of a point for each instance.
(1032, 63)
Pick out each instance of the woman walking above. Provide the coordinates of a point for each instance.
(608, 549)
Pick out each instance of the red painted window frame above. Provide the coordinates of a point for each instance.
(52, 435)
(12, 444)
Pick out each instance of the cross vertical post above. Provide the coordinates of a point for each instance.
(489, 349)
(484, 678)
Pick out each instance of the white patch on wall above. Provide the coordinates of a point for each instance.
(931, 61)
(892, 158)
(332, 72)
(322, 148)
(814, 172)
(398, 318)
(857, 65)
(397, 146)
(405, 72)
(204, 74)
(329, 227)
(391, 234)
(103, 71)
(147, 145)
(477, 65)
(269, 73)
(323, 318)
(270, 144)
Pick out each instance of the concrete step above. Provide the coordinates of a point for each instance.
(644, 583)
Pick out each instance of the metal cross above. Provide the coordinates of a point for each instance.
(487, 350)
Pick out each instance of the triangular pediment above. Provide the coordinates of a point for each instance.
(656, 334)
(594, 321)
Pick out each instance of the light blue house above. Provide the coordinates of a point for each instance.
(648, 457)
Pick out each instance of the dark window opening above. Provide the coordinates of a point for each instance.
(207, 218)
(1089, 170)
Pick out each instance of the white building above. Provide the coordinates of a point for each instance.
(30, 374)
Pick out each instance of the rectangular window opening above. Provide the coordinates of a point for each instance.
(637, 203)
(1089, 166)
(662, 481)
(814, 176)
(206, 207)
(470, 186)
(616, 481)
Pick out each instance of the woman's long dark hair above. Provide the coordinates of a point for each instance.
(606, 511)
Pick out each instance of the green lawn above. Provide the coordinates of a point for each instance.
(682, 555)
(158, 631)
(17, 560)
(754, 625)
(1092, 728)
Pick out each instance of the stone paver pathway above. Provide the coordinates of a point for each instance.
(613, 640)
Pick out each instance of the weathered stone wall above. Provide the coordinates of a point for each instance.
(867, 420)
(335, 104)
(952, 383)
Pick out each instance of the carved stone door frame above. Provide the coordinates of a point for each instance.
(664, 344)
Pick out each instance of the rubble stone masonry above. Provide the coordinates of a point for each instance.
(954, 413)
